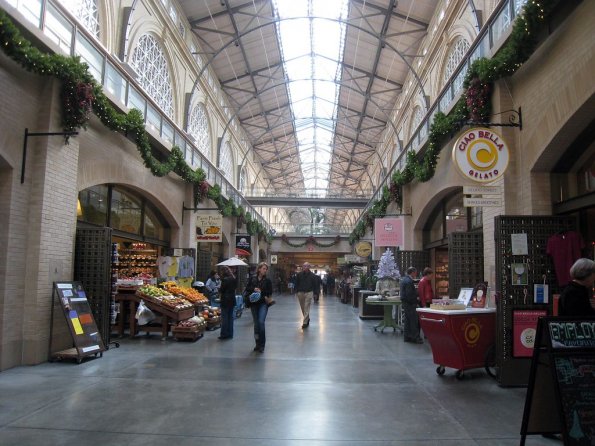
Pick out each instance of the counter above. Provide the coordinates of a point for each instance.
(459, 339)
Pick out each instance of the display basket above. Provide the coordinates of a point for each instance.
(214, 323)
(188, 333)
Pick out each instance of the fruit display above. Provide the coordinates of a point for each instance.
(190, 294)
(163, 298)
(212, 316)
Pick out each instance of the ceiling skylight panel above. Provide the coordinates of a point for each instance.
(325, 68)
(330, 8)
(300, 90)
(294, 37)
(327, 38)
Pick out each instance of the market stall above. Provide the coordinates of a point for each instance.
(459, 338)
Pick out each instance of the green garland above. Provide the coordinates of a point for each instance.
(474, 103)
(310, 240)
(81, 94)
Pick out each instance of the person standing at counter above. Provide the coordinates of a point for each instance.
(305, 284)
(575, 299)
(228, 302)
(424, 288)
(409, 301)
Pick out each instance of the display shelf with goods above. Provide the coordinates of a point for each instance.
(441, 273)
(137, 264)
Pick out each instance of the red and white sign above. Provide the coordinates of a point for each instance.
(524, 328)
(481, 155)
(389, 231)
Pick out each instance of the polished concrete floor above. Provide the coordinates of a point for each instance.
(337, 383)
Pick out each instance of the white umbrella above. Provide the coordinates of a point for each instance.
(234, 261)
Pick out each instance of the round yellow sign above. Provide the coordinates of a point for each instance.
(481, 155)
(363, 249)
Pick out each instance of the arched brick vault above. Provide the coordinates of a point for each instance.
(430, 206)
(98, 165)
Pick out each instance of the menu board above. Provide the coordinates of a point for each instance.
(561, 393)
(73, 301)
(576, 386)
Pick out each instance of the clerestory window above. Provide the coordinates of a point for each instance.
(151, 66)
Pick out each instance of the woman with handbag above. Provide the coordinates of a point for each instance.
(259, 291)
(228, 302)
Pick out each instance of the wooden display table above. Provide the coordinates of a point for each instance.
(388, 321)
(128, 306)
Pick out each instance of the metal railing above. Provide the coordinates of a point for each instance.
(59, 26)
(488, 41)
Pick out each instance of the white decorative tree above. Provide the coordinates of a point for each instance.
(387, 273)
(387, 267)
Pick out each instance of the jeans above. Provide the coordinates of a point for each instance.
(259, 315)
(227, 322)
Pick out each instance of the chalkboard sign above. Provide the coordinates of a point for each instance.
(561, 393)
(79, 318)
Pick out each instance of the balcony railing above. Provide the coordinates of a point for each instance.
(59, 26)
(489, 40)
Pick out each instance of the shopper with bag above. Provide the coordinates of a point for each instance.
(258, 297)
(228, 302)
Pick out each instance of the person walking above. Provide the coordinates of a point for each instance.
(259, 282)
(228, 302)
(316, 294)
(213, 284)
(424, 288)
(409, 301)
(305, 283)
(575, 299)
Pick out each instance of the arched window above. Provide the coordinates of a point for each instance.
(226, 161)
(86, 11)
(455, 56)
(416, 118)
(151, 66)
(198, 128)
(243, 180)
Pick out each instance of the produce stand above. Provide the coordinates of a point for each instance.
(459, 339)
(388, 321)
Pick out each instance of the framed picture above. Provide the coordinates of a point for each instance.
(519, 274)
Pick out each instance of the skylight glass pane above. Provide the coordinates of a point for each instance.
(315, 55)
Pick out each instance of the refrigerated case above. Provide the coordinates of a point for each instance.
(460, 339)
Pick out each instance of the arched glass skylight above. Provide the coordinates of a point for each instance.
(312, 54)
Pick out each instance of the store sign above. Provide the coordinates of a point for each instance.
(243, 247)
(474, 202)
(389, 232)
(208, 228)
(274, 259)
(481, 155)
(363, 249)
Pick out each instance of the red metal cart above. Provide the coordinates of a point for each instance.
(459, 339)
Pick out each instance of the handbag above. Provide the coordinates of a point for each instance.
(255, 297)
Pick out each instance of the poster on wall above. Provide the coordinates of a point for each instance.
(208, 228)
(243, 245)
(389, 232)
(524, 329)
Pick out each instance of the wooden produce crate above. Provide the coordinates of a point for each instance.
(214, 323)
(188, 333)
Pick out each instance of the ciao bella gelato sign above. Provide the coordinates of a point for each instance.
(481, 155)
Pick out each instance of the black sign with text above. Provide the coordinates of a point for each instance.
(562, 377)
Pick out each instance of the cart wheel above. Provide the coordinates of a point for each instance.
(238, 314)
(459, 375)
(440, 370)
(490, 361)
(79, 360)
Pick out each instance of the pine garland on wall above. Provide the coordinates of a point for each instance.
(81, 95)
(474, 105)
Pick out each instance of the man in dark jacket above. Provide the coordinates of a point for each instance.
(305, 284)
(409, 302)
